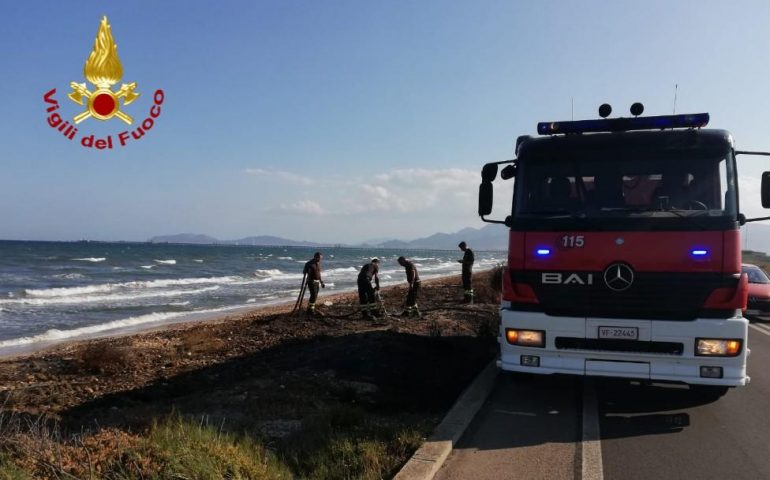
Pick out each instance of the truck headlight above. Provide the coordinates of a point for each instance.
(525, 338)
(714, 347)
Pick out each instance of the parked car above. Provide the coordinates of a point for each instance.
(759, 290)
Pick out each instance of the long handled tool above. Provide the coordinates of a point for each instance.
(381, 304)
(301, 296)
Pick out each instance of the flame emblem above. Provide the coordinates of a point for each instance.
(103, 69)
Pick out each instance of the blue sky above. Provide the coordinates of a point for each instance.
(345, 120)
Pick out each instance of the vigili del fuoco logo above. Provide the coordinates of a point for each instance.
(103, 70)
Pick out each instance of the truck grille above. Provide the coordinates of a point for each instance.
(632, 346)
(665, 296)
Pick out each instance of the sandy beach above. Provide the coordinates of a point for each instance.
(261, 373)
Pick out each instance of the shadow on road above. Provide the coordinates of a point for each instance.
(526, 411)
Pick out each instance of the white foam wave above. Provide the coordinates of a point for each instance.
(138, 285)
(91, 259)
(56, 334)
(69, 276)
(285, 258)
(197, 260)
(179, 304)
(335, 271)
(273, 272)
(166, 262)
(75, 299)
(148, 266)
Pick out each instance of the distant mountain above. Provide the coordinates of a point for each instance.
(185, 238)
(262, 240)
(271, 241)
(490, 237)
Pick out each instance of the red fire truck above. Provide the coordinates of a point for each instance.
(624, 255)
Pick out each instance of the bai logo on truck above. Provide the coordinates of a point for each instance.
(101, 101)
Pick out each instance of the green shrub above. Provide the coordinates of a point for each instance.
(188, 450)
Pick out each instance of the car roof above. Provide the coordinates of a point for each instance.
(748, 265)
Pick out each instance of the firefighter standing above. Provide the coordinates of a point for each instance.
(413, 279)
(365, 289)
(467, 262)
(313, 271)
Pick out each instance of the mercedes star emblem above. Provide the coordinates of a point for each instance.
(618, 277)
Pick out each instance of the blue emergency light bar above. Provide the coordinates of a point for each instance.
(661, 122)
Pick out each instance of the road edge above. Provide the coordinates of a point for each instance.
(426, 461)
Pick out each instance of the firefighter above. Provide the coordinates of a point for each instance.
(365, 290)
(467, 262)
(313, 271)
(413, 279)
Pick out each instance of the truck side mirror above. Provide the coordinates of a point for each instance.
(485, 197)
(489, 172)
(508, 172)
(766, 190)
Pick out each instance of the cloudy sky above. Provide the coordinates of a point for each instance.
(341, 121)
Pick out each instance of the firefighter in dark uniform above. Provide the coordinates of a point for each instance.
(313, 271)
(413, 279)
(365, 290)
(467, 262)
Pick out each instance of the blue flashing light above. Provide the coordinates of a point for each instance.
(661, 122)
(543, 252)
(699, 252)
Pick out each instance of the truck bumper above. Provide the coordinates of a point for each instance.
(572, 347)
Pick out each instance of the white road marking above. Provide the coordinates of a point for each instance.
(591, 468)
(760, 329)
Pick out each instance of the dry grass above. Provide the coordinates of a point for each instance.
(489, 291)
(174, 448)
(200, 342)
(105, 358)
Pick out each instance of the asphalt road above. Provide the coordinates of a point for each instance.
(568, 428)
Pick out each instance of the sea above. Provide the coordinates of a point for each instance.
(56, 291)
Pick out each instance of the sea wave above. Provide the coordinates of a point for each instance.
(166, 262)
(137, 285)
(57, 334)
(335, 271)
(147, 267)
(75, 299)
(91, 259)
(155, 317)
(68, 276)
(267, 273)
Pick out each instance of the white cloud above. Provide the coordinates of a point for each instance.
(302, 207)
(408, 202)
(750, 189)
(412, 190)
(280, 174)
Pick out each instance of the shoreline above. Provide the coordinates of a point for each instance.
(298, 386)
(190, 319)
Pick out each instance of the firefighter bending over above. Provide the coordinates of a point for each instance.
(413, 279)
(365, 289)
(467, 262)
(313, 272)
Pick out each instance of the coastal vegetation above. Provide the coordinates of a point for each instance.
(250, 396)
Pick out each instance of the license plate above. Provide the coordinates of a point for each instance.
(619, 333)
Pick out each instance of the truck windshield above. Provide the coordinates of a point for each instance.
(641, 184)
